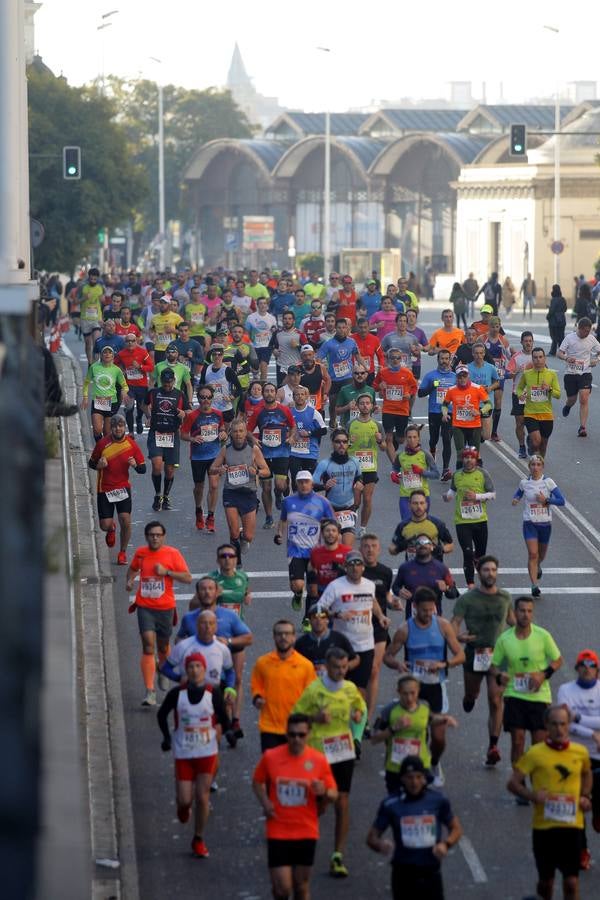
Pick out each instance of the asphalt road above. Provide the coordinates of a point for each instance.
(494, 859)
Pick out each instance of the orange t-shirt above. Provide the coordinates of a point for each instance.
(400, 386)
(281, 682)
(156, 591)
(447, 340)
(465, 404)
(288, 780)
(481, 328)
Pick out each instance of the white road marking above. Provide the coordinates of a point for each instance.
(584, 570)
(472, 860)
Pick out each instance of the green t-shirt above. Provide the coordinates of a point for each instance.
(532, 654)
(300, 312)
(180, 370)
(233, 590)
(103, 381)
(467, 512)
(340, 703)
(196, 314)
(91, 302)
(538, 403)
(315, 291)
(409, 480)
(349, 393)
(256, 291)
(484, 616)
(363, 444)
(408, 741)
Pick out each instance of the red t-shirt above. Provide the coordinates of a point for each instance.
(288, 780)
(126, 329)
(156, 591)
(369, 348)
(347, 306)
(324, 562)
(118, 453)
(136, 364)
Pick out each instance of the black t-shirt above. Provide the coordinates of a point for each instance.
(164, 406)
(382, 577)
(315, 650)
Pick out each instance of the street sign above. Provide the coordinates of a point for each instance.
(231, 242)
(37, 232)
(259, 232)
(557, 247)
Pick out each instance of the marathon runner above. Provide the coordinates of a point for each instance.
(366, 436)
(422, 570)
(165, 408)
(346, 407)
(498, 348)
(446, 338)
(468, 401)
(485, 374)
(315, 643)
(327, 559)
(136, 363)
(105, 380)
(261, 326)
(205, 431)
(340, 353)
(412, 468)
(434, 385)
(277, 431)
(397, 385)
(183, 379)
(223, 381)
(340, 477)
(472, 488)
(314, 377)
(577, 350)
(515, 367)
(536, 388)
(418, 523)
(90, 295)
(310, 428)
(381, 576)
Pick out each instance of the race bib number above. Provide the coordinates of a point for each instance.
(538, 512)
(271, 437)
(209, 433)
(521, 683)
(152, 588)
(424, 674)
(576, 368)
(440, 395)
(234, 607)
(102, 403)
(91, 314)
(195, 737)
(471, 509)
(366, 460)
(353, 414)
(338, 748)
(345, 518)
(464, 414)
(418, 832)
(117, 495)
(560, 808)
(162, 341)
(537, 395)
(262, 339)
(410, 480)
(164, 439)
(291, 792)
(482, 659)
(394, 393)
(342, 369)
(133, 374)
(238, 475)
(301, 445)
(500, 370)
(403, 747)
(312, 401)
(197, 318)
(361, 618)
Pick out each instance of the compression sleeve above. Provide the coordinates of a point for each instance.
(556, 498)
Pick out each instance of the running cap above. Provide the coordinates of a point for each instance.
(412, 764)
(304, 475)
(173, 347)
(462, 370)
(470, 452)
(486, 308)
(306, 347)
(587, 655)
(371, 281)
(294, 370)
(108, 349)
(167, 375)
(314, 610)
(195, 657)
(423, 539)
(354, 555)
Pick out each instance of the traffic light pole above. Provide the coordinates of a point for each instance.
(557, 185)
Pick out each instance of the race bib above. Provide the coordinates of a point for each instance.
(418, 832)
(91, 314)
(234, 607)
(152, 588)
(394, 393)
(482, 659)
(366, 460)
(424, 674)
(238, 475)
(410, 480)
(197, 318)
(403, 747)
(102, 403)
(291, 792)
(464, 414)
(440, 395)
(262, 339)
(471, 509)
(117, 495)
(537, 395)
(345, 518)
(342, 369)
(271, 437)
(301, 445)
(361, 618)
(353, 414)
(500, 370)
(576, 368)
(521, 683)
(338, 748)
(312, 401)
(560, 808)
(209, 433)
(133, 374)
(164, 439)
(538, 512)
(195, 736)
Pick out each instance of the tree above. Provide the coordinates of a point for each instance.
(112, 183)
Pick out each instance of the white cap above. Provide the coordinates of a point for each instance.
(304, 475)
(306, 347)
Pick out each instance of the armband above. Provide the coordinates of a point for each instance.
(548, 672)
(230, 692)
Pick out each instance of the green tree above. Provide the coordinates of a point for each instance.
(112, 186)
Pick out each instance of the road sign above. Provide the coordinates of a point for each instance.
(231, 242)
(37, 232)
(557, 247)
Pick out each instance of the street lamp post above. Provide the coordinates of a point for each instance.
(161, 173)
(556, 229)
(104, 25)
(326, 234)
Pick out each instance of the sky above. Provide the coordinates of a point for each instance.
(381, 50)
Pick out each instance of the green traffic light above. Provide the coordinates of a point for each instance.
(72, 170)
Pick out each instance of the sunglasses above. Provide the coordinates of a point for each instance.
(227, 556)
(355, 562)
(588, 663)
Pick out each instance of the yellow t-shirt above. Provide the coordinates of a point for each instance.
(164, 325)
(559, 773)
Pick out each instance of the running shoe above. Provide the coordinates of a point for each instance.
(296, 602)
(446, 475)
(522, 452)
(361, 531)
(269, 522)
(367, 733)
(306, 626)
(210, 523)
(521, 801)
(111, 537)
(539, 573)
(585, 860)
(231, 738)
(199, 848)
(140, 427)
(164, 683)
(468, 705)
(496, 438)
(121, 558)
(566, 410)
(244, 546)
(278, 499)
(200, 520)
(582, 432)
(337, 869)
(149, 699)
(438, 776)
(535, 591)
(157, 505)
(237, 730)
(166, 504)
(493, 757)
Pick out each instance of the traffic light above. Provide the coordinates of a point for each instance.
(71, 163)
(518, 140)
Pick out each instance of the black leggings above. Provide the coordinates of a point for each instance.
(437, 426)
(473, 542)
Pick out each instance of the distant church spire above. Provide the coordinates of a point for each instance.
(237, 74)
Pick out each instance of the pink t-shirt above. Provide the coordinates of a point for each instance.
(387, 318)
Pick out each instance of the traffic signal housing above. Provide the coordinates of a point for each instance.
(71, 163)
(518, 141)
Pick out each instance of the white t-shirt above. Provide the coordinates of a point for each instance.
(343, 596)
(581, 349)
(262, 326)
(517, 365)
(217, 656)
(533, 510)
(586, 702)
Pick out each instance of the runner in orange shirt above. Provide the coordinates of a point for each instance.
(397, 385)
(465, 397)
(292, 783)
(446, 338)
(158, 566)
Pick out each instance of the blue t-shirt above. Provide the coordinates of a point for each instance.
(116, 342)
(229, 624)
(339, 356)
(273, 429)
(280, 302)
(446, 380)
(307, 419)
(184, 348)
(207, 425)
(371, 303)
(341, 495)
(484, 375)
(399, 812)
(303, 515)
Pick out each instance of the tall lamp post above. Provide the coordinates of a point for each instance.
(326, 240)
(161, 172)
(104, 25)
(556, 229)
